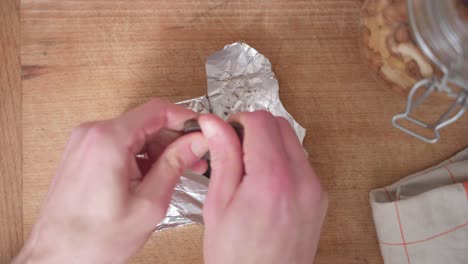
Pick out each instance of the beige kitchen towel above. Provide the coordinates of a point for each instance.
(423, 218)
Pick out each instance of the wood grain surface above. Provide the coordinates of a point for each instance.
(84, 60)
(11, 231)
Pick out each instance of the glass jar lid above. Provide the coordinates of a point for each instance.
(440, 29)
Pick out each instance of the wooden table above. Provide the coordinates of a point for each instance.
(83, 60)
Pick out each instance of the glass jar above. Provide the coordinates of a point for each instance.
(417, 47)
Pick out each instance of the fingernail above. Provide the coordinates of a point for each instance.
(199, 148)
(210, 129)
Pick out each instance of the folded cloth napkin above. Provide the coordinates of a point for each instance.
(423, 218)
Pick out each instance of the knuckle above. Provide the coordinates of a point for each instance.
(316, 198)
(313, 191)
(324, 196)
(157, 101)
(262, 115)
(234, 117)
(82, 128)
(174, 160)
(255, 115)
(97, 132)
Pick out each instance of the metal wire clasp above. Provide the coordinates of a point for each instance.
(450, 62)
(430, 85)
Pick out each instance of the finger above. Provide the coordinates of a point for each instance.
(136, 127)
(144, 166)
(158, 185)
(225, 159)
(200, 167)
(293, 147)
(305, 176)
(264, 152)
(156, 145)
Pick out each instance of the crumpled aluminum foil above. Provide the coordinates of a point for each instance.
(239, 79)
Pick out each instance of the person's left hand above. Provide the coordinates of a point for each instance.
(103, 202)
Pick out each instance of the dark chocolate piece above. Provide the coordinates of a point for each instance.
(191, 125)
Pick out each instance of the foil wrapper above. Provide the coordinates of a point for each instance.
(239, 79)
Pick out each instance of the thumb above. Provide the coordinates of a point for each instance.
(182, 154)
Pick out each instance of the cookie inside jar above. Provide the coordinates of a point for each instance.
(389, 48)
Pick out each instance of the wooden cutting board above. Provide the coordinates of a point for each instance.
(84, 60)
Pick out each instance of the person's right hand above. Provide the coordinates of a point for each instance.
(265, 204)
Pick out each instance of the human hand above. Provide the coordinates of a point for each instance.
(265, 204)
(103, 202)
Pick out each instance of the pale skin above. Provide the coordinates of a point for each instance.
(264, 205)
